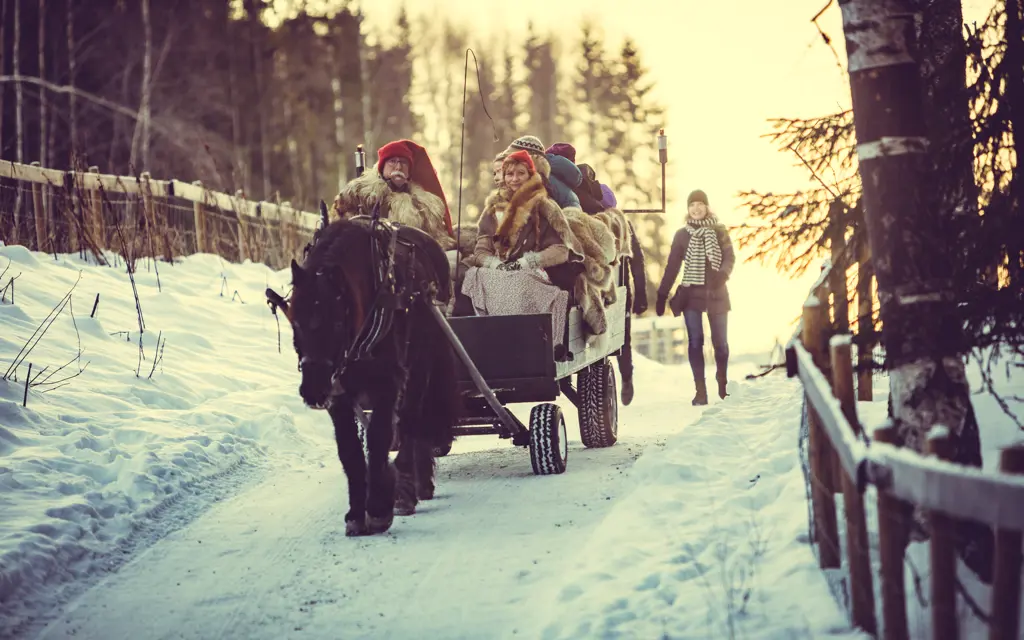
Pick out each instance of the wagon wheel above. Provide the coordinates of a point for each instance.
(598, 405)
(549, 444)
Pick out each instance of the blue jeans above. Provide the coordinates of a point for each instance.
(719, 340)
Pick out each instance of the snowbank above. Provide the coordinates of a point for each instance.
(712, 541)
(87, 463)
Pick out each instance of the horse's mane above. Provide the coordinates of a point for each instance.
(336, 245)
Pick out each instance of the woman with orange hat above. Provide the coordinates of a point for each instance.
(521, 226)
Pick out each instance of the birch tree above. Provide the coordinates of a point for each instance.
(921, 331)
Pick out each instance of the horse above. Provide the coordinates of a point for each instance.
(366, 339)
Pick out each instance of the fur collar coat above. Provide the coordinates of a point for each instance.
(416, 207)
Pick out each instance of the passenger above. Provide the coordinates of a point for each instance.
(561, 174)
(594, 198)
(521, 227)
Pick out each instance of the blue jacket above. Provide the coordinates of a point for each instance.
(565, 178)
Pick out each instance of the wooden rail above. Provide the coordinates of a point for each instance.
(258, 229)
(903, 480)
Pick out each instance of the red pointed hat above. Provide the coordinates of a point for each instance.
(421, 170)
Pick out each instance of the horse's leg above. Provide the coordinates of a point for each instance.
(409, 425)
(381, 477)
(425, 465)
(350, 452)
(405, 489)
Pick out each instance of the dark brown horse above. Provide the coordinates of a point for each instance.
(365, 338)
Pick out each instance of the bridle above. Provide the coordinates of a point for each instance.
(378, 321)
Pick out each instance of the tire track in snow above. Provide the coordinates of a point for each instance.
(274, 560)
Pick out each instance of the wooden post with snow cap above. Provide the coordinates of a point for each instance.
(243, 253)
(822, 475)
(96, 215)
(199, 215)
(148, 213)
(865, 321)
(39, 213)
(1006, 591)
(893, 520)
(942, 551)
(858, 551)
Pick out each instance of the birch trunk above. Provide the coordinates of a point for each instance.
(3, 67)
(364, 81)
(72, 69)
(923, 338)
(1014, 105)
(19, 116)
(140, 140)
(339, 133)
(43, 136)
(19, 93)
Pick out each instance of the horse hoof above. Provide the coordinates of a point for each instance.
(376, 524)
(425, 493)
(405, 509)
(355, 528)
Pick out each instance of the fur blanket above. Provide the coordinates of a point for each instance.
(605, 240)
(416, 207)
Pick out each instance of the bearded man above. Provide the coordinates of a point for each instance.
(406, 190)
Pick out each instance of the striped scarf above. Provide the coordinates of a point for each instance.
(703, 247)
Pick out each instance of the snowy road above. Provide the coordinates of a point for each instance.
(274, 561)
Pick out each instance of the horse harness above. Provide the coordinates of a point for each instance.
(396, 291)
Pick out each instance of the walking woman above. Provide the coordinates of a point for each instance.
(704, 245)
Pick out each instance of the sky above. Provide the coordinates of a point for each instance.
(722, 69)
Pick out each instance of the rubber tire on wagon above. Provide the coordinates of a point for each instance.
(549, 445)
(598, 405)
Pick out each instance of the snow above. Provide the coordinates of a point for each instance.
(712, 539)
(84, 466)
(208, 497)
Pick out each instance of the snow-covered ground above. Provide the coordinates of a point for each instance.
(207, 502)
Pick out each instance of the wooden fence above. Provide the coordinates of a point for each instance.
(89, 212)
(844, 462)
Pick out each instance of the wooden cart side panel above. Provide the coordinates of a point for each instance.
(606, 344)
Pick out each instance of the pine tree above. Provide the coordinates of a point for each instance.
(542, 80)
(632, 120)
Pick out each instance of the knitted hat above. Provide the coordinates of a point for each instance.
(608, 199)
(421, 170)
(563, 149)
(530, 143)
(520, 157)
(395, 149)
(696, 196)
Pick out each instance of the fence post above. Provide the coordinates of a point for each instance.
(865, 321)
(96, 215)
(147, 212)
(858, 551)
(942, 550)
(893, 518)
(240, 221)
(1006, 590)
(40, 214)
(199, 213)
(837, 276)
(821, 457)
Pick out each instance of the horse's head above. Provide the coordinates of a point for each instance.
(320, 323)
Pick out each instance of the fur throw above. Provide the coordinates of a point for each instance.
(416, 208)
(599, 250)
(466, 235)
(524, 211)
